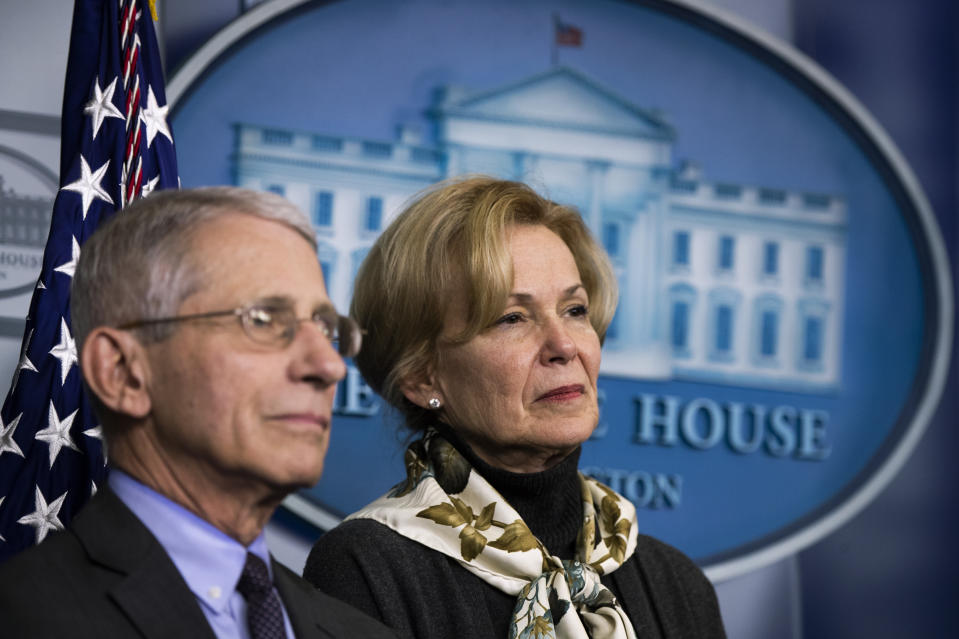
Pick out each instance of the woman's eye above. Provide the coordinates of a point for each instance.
(510, 318)
(579, 310)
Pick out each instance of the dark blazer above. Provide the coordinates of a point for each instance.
(107, 576)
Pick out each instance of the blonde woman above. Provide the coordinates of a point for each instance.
(484, 307)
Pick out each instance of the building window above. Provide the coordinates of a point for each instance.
(765, 337)
(374, 214)
(724, 306)
(816, 201)
(811, 349)
(814, 264)
(770, 259)
(728, 191)
(812, 340)
(279, 189)
(326, 143)
(377, 149)
(680, 326)
(682, 300)
(768, 333)
(772, 196)
(611, 238)
(328, 258)
(681, 248)
(323, 210)
(724, 330)
(727, 252)
(274, 136)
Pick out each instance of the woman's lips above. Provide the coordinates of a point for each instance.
(563, 393)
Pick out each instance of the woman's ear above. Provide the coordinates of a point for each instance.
(421, 388)
(115, 367)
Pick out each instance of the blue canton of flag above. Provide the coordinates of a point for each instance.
(115, 146)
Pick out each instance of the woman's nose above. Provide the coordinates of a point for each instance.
(559, 345)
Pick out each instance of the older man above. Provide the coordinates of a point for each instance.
(210, 348)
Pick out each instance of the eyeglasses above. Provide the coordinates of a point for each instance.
(275, 325)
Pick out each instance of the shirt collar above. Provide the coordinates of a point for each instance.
(209, 560)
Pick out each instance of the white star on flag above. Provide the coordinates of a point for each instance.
(68, 268)
(57, 433)
(149, 187)
(154, 117)
(88, 186)
(97, 433)
(25, 363)
(45, 518)
(7, 443)
(101, 106)
(65, 351)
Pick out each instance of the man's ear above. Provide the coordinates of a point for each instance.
(115, 367)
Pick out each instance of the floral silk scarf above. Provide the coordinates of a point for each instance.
(446, 505)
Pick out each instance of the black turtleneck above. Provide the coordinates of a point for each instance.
(548, 501)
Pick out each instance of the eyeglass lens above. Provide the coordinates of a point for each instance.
(279, 325)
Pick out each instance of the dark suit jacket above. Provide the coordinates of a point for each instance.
(107, 576)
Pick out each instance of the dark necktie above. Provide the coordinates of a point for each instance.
(263, 612)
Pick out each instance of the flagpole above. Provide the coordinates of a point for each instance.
(554, 47)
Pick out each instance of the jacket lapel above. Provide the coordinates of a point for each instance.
(302, 605)
(315, 615)
(150, 591)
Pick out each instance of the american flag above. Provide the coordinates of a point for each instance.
(115, 146)
(567, 35)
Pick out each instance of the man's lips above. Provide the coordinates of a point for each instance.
(561, 393)
(307, 419)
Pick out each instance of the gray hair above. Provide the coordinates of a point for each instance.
(139, 264)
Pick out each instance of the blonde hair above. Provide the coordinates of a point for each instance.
(454, 235)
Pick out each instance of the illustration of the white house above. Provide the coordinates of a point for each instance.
(718, 282)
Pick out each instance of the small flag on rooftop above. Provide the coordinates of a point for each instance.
(567, 35)
(564, 35)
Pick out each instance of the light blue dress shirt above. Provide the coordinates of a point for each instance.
(209, 560)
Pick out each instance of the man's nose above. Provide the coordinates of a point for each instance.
(315, 356)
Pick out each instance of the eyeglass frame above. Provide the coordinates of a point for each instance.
(345, 347)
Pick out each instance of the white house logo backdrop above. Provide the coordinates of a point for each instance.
(783, 316)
